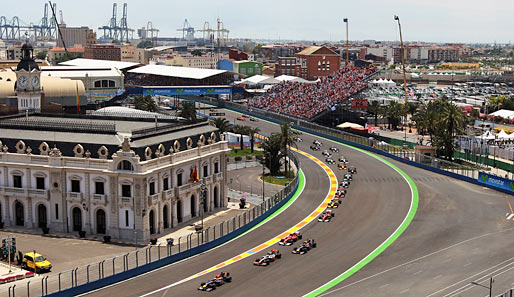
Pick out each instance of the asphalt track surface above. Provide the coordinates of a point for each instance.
(460, 234)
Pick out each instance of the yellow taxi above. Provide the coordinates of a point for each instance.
(36, 262)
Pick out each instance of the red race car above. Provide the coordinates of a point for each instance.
(268, 258)
(290, 239)
(326, 216)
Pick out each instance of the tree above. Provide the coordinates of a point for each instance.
(222, 124)
(241, 130)
(61, 59)
(41, 55)
(196, 52)
(145, 44)
(272, 153)
(393, 112)
(257, 49)
(252, 131)
(287, 138)
(411, 108)
(187, 110)
(451, 122)
(374, 110)
(145, 103)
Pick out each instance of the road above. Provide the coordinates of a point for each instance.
(459, 234)
(367, 217)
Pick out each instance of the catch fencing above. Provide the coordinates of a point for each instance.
(96, 275)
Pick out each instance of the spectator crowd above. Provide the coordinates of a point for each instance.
(307, 100)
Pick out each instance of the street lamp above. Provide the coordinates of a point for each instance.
(345, 20)
(396, 18)
(491, 281)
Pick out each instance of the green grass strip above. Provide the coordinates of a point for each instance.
(392, 238)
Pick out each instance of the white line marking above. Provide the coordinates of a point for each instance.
(383, 286)
(421, 258)
(482, 279)
(438, 276)
(186, 259)
(418, 272)
(404, 291)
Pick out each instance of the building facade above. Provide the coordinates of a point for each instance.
(285, 66)
(131, 53)
(56, 54)
(103, 52)
(72, 36)
(247, 68)
(317, 61)
(133, 190)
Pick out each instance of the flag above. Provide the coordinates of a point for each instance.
(193, 177)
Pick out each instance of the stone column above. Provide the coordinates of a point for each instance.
(173, 210)
(89, 224)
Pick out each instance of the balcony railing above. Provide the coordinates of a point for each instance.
(98, 198)
(218, 177)
(127, 201)
(72, 196)
(18, 192)
(152, 199)
(37, 193)
(169, 194)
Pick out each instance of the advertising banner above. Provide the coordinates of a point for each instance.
(360, 103)
(171, 91)
(493, 180)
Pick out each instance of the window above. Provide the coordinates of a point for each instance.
(17, 181)
(126, 218)
(205, 170)
(98, 84)
(104, 84)
(56, 211)
(75, 186)
(165, 184)
(179, 179)
(99, 188)
(152, 188)
(126, 191)
(40, 183)
(111, 84)
(125, 165)
(216, 167)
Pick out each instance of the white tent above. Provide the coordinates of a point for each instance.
(487, 136)
(502, 134)
(293, 78)
(260, 80)
(504, 113)
(349, 125)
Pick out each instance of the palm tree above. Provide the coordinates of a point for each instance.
(287, 138)
(393, 113)
(374, 110)
(241, 130)
(411, 109)
(272, 152)
(187, 110)
(252, 131)
(222, 124)
(145, 103)
(451, 123)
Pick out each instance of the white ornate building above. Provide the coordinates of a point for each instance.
(108, 175)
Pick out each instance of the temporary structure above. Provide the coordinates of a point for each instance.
(349, 125)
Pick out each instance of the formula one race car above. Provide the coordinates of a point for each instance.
(342, 159)
(330, 161)
(352, 170)
(314, 148)
(345, 184)
(268, 258)
(326, 216)
(340, 194)
(348, 176)
(305, 247)
(317, 143)
(341, 166)
(298, 139)
(334, 149)
(334, 204)
(290, 239)
(326, 153)
(253, 119)
(219, 280)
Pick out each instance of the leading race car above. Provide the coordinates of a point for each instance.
(326, 216)
(268, 258)
(298, 139)
(334, 149)
(290, 239)
(219, 280)
(317, 143)
(304, 247)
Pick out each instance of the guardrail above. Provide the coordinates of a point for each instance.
(96, 275)
(455, 170)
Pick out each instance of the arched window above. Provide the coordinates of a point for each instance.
(125, 165)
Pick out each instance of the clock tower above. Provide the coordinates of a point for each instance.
(28, 75)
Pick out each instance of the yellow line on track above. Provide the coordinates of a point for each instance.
(269, 243)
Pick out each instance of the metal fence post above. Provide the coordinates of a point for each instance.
(28, 289)
(113, 266)
(244, 218)
(137, 258)
(180, 237)
(87, 269)
(198, 238)
(103, 270)
(238, 221)
(207, 234)
(9, 290)
(59, 278)
(76, 280)
(46, 284)
(149, 254)
(14, 292)
(72, 282)
(214, 233)
(159, 250)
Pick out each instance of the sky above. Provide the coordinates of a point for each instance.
(467, 21)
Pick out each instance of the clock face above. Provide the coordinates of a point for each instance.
(35, 82)
(23, 81)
